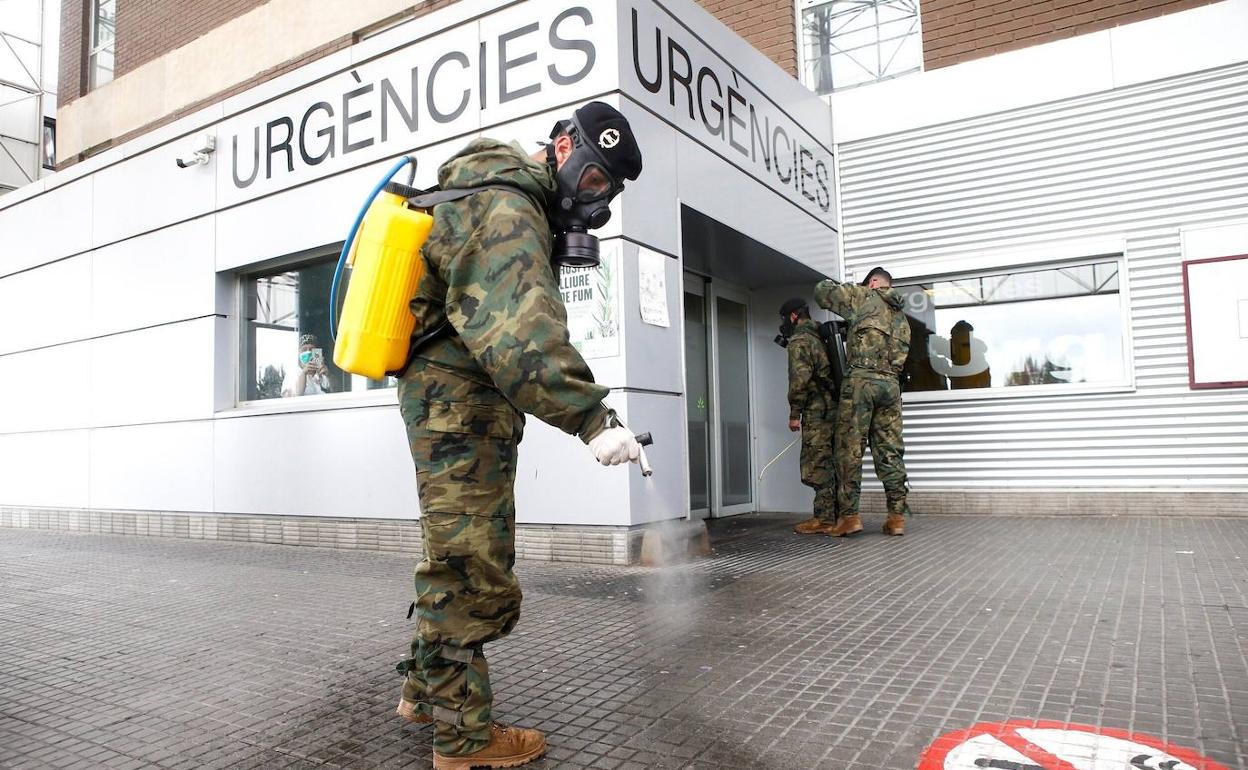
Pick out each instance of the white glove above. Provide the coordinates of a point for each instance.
(614, 446)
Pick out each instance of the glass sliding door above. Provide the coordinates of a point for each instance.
(717, 399)
(733, 418)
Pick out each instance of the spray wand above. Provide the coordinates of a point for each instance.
(777, 457)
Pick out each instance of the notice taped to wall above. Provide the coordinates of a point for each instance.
(652, 281)
(592, 297)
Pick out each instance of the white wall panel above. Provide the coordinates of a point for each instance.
(163, 467)
(49, 226)
(664, 495)
(149, 191)
(152, 279)
(153, 375)
(1155, 166)
(559, 482)
(347, 462)
(46, 389)
(47, 305)
(46, 469)
(303, 218)
(1216, 241)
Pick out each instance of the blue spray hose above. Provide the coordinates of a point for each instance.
(355, 226)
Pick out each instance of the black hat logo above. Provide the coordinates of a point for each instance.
(609, 138)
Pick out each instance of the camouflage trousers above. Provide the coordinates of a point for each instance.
(463, 436)
(869, 410)
(817, 467)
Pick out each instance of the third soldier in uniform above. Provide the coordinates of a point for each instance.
(812, 410)
(870, 401)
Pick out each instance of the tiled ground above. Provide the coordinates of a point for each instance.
(778, 652)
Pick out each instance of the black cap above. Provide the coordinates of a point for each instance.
(877, 271)
(605, 129)
(792, 306)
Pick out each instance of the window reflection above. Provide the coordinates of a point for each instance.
(1055, 326)
(288, 350)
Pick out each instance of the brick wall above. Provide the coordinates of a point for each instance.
(958, 30)
(768, 25)
(148, 28)
(73, 50)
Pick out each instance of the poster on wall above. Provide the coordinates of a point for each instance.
(592, 297)
(1215, 295)
(652, 285)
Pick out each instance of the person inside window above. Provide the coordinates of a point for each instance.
(311, 376)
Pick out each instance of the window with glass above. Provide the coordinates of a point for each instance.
(48, 146)
(853, 42)
(287, 349)
(103, 42)
(1053, 326)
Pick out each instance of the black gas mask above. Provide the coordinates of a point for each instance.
(786, 331)
(795, 305)
(584, 189)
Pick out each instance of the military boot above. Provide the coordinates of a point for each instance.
(895, 524)
(847, 525)
(812, 526)
(408, 712)
(508, 747)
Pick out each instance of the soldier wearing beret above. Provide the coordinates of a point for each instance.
(492, 284)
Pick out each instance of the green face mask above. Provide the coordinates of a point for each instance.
(305, 358)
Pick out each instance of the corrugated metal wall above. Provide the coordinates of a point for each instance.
(1137, 164)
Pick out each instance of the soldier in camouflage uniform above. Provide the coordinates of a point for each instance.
(870, 403)
(463, 399)
(812, 410)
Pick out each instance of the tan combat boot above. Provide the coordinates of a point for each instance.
(847, 525)
(895, 524)
(508, 747)
(409, 713)
(811, 526)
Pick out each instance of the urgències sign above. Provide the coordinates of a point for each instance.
(682, 76)
(513, 64)
(482, 73)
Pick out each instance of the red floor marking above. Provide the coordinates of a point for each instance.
(933, 758)
(1011, 738)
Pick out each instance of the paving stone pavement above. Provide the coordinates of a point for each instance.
(780, 651)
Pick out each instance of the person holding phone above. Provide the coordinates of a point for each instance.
(312, 376)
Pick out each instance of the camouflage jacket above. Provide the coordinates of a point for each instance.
(879, 336)
(489, 272)
(810, 374)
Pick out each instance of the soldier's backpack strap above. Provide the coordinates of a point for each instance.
(426, 200)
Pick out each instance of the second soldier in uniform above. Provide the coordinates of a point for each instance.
(812, 410)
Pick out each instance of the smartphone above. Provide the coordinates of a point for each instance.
(318, 358)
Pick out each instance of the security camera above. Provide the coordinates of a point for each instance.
(204, 147)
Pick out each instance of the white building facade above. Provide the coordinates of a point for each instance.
(153, 319)
(1040, 209)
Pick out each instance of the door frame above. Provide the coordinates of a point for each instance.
(711, 290)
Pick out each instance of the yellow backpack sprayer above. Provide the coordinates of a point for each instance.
(383, 251)
(374, 335)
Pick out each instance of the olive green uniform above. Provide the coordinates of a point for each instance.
(870, 399)
(463, 400)
(812, 401)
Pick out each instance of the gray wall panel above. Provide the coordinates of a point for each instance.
(1140, 164)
